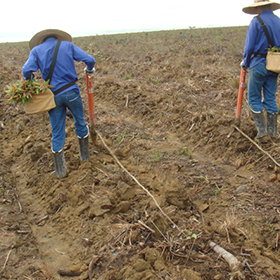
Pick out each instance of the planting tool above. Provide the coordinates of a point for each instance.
(240, 96)
(90, 108)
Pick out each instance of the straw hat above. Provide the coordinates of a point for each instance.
(39, 37)
(251, 9)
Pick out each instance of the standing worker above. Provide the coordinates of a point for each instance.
(64, 76)
(262, 83)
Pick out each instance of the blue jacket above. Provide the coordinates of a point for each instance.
(256, 41)
(64, 71)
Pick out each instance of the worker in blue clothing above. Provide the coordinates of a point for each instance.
(42, 46)
(262, 84)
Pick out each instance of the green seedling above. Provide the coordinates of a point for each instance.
(270, 226)
(190, 235)
(273, 49)
(255, 223)
(120, 137)
(183, 151)
(127, 76)
(22, 91)
(157, 156)
(204, 179)
(153, 81)
(218, 190)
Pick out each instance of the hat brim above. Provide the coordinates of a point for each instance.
(252, 9)
(39, 37)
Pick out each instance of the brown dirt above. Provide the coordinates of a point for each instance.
(165, 105)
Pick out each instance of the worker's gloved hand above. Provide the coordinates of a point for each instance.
(90, 72)
(32, 78)
(242, 65)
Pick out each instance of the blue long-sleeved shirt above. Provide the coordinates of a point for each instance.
(64, 72)
(256, 41)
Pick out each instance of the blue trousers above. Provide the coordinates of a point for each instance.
(71, 100)
(262, 81)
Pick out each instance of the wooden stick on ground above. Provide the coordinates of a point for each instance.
(7, 258)
(144, 225)
(234, 264)
(257, 145)
(138, 183)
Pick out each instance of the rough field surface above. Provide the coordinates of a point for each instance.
(168, 177)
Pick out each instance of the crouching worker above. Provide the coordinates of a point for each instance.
(66, 91)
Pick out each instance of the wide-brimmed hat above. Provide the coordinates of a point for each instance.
(39, 37)
(251, 9)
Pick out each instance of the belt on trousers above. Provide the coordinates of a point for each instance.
(64, 87)
(260, 55)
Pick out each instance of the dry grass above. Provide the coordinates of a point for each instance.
(232, 223)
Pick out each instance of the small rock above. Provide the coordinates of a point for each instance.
(203, 207)
(159, 265)
(239, 163)
(141, 265)
(122, 207)
(100, 207)
(243, 188)
(272, 177)
(190, 274)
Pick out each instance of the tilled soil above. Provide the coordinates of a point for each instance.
(170, 172)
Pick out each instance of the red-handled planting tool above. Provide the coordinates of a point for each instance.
(240, 96)
(90, 108)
